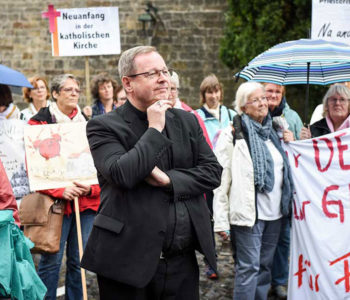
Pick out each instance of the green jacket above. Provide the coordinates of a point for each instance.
(18, 277)
(293, 120)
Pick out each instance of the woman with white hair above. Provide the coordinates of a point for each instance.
(336, 111)
(255, 191)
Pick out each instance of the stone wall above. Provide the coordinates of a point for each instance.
(189, 40)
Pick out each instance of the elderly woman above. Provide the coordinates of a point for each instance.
(255, 191)
(215, 115)
(336, 110)
(37, 97)
(7, 109)
(284, 118)
(103, 88)
(65, 109)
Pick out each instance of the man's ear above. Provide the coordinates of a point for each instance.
(127, 84)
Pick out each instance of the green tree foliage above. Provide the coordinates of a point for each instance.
(253, 26)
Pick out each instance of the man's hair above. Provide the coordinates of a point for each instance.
(101, 79)
(5, 95)
(243, 93)
(58, 82)
(209, 84)
(126, 61)
(338, 88)
(34, 82)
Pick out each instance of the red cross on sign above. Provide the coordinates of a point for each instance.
(51, 14)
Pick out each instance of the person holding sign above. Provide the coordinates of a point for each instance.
(65, 92)
(255, 192)
(336, 110)
(154, 166)
(103, 88)
(37, 97)
(286, 122)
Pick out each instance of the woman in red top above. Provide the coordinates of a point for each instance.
(64, 109)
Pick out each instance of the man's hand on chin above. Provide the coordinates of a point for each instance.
(156, 114)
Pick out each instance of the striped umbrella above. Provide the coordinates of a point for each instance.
(303, 61)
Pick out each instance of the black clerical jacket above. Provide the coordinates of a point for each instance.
(129, 229)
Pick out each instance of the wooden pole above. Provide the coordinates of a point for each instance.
(87, 81)
(80, 245)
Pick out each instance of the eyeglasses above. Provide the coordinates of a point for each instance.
(334, 100)
(257, 100)
(70, 90)
(154, 74)
(173, 89)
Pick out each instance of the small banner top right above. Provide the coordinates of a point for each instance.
(330, 20)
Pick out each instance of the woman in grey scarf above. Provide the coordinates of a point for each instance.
(255, 192)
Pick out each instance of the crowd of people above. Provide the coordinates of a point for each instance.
(170, 180)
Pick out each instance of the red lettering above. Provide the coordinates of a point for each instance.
(300, 271)
(317, 153)
(341, 149)
(296, 157)
(346, 277)
(326, 202)
(317, 288)
(302, 215)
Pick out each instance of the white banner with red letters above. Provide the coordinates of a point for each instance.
(320, 236)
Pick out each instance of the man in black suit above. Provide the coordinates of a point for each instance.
(154, 166)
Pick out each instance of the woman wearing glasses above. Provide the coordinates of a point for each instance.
(37, 97)
(336, 110)
(65, 109)
(255, 191)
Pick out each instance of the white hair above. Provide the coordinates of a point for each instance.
(175, 79)
(243, 93)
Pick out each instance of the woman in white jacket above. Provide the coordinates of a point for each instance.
(255, 191)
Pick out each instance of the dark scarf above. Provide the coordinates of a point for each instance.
(263, 165)
(279, 109)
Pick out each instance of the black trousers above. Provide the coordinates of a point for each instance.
(177, 278)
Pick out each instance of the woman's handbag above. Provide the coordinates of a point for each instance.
(42, 218)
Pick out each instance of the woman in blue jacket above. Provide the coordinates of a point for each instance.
(215, 115)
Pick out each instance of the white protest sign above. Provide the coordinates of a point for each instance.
(86, 31)
(57, 155)
(13, 156)
(320, 253)
(330, 20)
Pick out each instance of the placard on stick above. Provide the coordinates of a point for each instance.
(57, 155)
(84, 31)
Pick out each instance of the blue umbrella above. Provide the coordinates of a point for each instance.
(11, 77)
(302, 61)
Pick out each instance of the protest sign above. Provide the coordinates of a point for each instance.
(85, 31)
(12, 155)
(319, 260)
(330, 20)
(57, 155)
